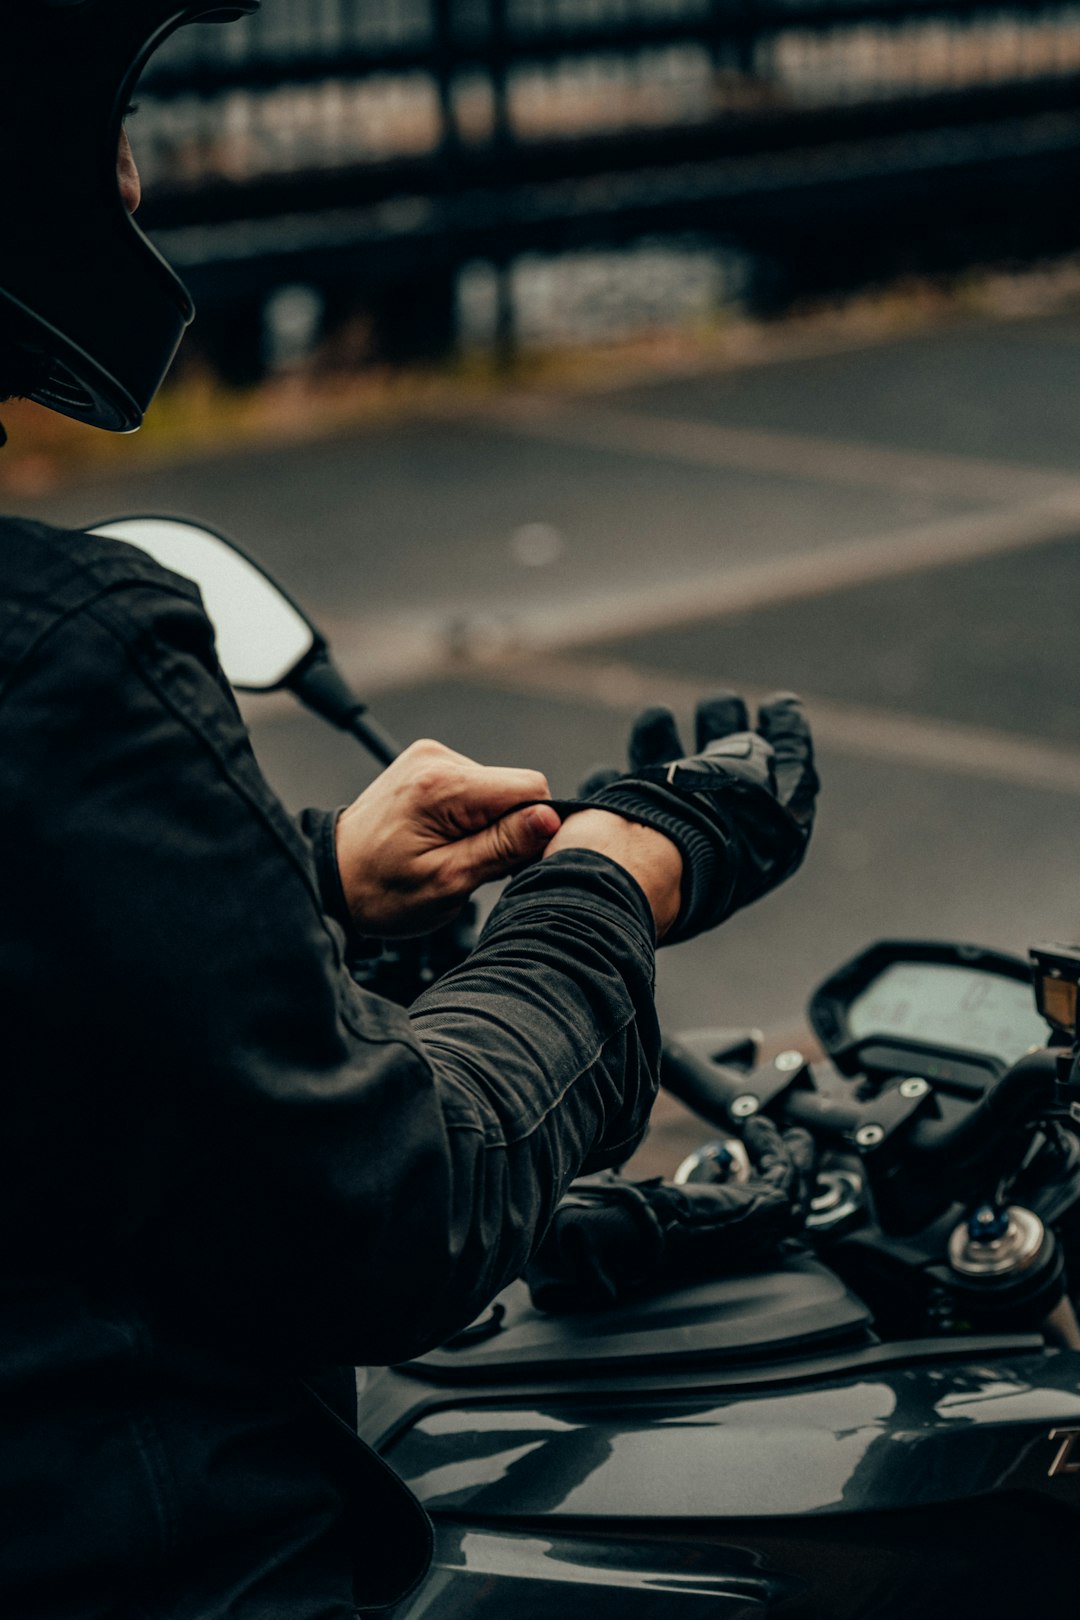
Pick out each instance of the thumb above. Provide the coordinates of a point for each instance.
(512, 841)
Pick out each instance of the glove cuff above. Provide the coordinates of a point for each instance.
(708, 875)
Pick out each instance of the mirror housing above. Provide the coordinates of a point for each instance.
(262, 636)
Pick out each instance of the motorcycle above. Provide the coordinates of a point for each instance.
(885, 1421)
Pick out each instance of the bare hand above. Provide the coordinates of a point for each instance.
(428, 831)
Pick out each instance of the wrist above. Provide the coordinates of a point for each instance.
(651, 859)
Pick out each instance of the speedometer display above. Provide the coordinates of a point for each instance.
(942, 1005)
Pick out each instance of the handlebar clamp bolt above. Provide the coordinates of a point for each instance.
(916, 1086)
(744, 1107)
(868, 1136)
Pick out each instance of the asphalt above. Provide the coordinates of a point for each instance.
(892, 529)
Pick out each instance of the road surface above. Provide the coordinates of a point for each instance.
(891, 529)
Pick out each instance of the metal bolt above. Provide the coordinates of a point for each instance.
(915, 1087)
(988, 1224)
(868, 1136)
(743, 1107)
(787, 1061)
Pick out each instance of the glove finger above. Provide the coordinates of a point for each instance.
(804, 1156)
(802, 1150)
(720, 716)
(601, 777)
(768, 1152)
(782, 722)
(654, 739)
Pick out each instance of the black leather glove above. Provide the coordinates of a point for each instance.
(610, 1237)
(740, 810)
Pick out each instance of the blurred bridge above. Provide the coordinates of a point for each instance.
(372, 148)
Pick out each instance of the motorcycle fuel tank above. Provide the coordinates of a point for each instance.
(843, 1479)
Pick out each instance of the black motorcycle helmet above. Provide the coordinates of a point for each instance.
(90, 313)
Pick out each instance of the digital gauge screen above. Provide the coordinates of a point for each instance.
(943, 1005)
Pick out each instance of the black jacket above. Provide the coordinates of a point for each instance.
(221, 1163)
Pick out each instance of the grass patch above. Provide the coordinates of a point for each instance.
(196, 415)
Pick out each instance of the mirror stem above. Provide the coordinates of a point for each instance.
(321, 686)
(374, 738)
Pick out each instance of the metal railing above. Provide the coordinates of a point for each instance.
(331, 140)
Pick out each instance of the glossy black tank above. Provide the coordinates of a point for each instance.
(709, 1455)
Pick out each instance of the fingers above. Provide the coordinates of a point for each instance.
(500, 849)
(429, 772)
(465, 800)
(763, 1140)
(802, 1148)
(782, 722)
(720, 716)
(654, 739)
(768, 1152)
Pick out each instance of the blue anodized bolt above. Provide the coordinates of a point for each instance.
(987, 1224)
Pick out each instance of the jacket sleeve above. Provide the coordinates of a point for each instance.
(303, 1165)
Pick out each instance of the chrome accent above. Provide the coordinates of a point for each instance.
(839, 1196)
(698, 1165)
(1016, 1250)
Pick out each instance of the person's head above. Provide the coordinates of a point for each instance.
(90, 314)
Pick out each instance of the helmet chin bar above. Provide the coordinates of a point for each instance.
(50, 370)
(92, 309)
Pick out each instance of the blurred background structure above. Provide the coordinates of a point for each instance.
(423, 171)
(875, 502)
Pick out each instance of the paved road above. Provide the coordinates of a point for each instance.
(891, 529)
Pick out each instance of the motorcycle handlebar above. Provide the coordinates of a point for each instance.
(955, 1139)
(1022, 1094)
(816, 1113)
(708, 1087)
(959, 1134)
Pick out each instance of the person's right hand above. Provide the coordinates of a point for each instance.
(428, 831)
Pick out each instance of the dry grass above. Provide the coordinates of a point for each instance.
(197, 416)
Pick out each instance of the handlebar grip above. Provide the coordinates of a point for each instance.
(1019, 1096)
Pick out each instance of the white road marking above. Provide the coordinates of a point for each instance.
(742, 589)
(805, 457)
(533, 650)
(850, 729)
(397, 650)
(853, 730)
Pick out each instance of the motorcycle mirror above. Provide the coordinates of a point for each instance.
(264, 641)
(261, 635)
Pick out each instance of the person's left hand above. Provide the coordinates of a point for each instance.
(428, 831)
(739, 810)
(611, 1238)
